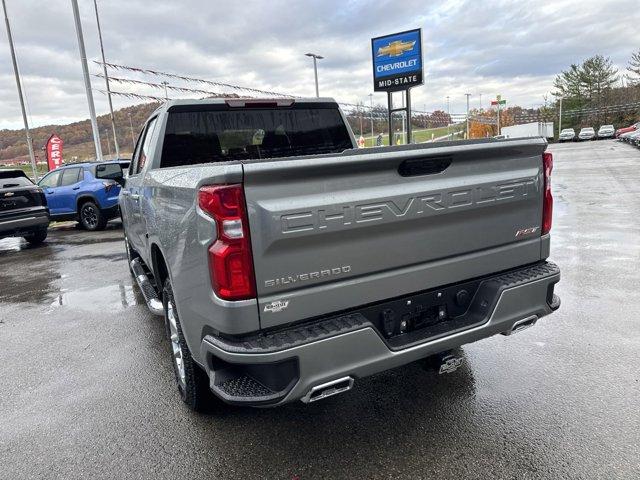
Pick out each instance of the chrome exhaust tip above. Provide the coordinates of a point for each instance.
(521, 325)
(328, 389)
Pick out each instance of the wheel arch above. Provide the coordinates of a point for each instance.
(159, 266)
(83, 198)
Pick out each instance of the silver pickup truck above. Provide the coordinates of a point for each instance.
(288, 264)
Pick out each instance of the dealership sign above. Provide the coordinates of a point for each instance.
(397, 61)
(54, 151)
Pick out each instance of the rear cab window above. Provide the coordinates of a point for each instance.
(198, 134)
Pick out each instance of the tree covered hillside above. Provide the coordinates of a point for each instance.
(77, 137)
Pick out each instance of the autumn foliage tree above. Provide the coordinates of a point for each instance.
(482, 129)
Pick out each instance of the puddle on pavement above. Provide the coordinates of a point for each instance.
(106, 298)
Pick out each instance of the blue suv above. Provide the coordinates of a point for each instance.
(86, 192)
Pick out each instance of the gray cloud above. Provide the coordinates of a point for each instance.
(513, 48)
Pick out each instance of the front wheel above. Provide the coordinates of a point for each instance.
(36, 237)
(91, 218)
(192, 381)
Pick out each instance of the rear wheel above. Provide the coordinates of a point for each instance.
(36, 237)
(192, 381)
(91, 218)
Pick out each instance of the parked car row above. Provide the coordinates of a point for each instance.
(630, 128)
(84, 192)
(586, 133)
(632, 137)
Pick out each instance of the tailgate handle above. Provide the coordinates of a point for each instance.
(424, 166)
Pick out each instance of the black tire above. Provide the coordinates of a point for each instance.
(194, 387)
(36, 237)
(91, 217)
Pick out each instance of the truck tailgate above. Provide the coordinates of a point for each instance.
(330, 233)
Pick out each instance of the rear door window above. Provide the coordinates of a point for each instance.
(142, 149)
(205, 136)
(69, 176)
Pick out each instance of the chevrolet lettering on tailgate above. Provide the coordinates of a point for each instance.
(390, 210)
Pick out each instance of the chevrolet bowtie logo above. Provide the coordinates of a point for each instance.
(395, 49)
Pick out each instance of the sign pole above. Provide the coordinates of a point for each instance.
(390, 113)
(408, 94)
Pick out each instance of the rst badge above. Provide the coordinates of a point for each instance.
(527, 231)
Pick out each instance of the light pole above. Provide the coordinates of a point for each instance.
(315, 57)
(133, 138)
(371, 113)
(106, 79)
(19, 85)
(468, 95)
(480, 102)
(87, 80)
(560, 119)
(164, 84)
(108, 142)
(448, 118)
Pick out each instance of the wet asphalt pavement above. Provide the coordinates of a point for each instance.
(87, 389)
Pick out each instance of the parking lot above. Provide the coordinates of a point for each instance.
(87, 388)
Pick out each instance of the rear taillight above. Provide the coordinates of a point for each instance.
(547, 203)
(230, 261)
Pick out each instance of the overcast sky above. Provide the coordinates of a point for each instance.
(481, 47)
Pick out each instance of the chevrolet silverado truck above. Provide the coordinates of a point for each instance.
(288, 264)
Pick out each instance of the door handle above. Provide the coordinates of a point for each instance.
(76, 188)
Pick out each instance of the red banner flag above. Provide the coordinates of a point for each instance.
(54, 152)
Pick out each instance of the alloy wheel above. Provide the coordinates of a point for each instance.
(175, 345)
(89, 216)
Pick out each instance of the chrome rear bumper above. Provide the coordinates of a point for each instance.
(355, 349)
